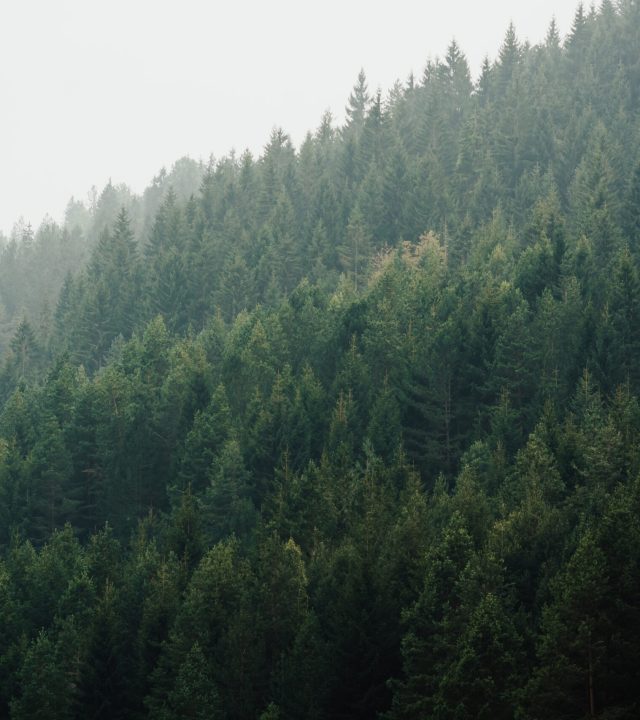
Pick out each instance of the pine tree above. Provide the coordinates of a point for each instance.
(358, 106)
(227, 505)
(595, 199)
(624, 310)
(205, 441)
(572, 645)
(194, 694)
(45, 692)
(355, 252)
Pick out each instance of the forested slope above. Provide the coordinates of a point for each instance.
(353, 430)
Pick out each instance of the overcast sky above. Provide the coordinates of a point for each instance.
(116, 89)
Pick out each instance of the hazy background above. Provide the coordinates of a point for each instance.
(97, 90)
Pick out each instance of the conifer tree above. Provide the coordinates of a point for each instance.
(358, 105)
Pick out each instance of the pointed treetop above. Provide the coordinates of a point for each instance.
(278, 141)
(325, 131)
(429, 72)
(376, 105)
(358, 102)
(552, 39)
(510, 50)
(456, 70)
(579, 22)
(485, 76)
(454, 54)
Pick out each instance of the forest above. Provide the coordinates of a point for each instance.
(344, 431)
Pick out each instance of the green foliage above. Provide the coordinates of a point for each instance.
(46, 692)
(343, 431)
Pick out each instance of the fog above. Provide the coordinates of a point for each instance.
(93, 90)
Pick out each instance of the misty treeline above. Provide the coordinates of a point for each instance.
(35, 264)
(349, 431)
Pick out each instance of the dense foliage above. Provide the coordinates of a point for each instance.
(347, 432)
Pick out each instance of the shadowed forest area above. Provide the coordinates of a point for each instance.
(348, 431)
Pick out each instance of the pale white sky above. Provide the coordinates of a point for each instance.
(92, 90)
